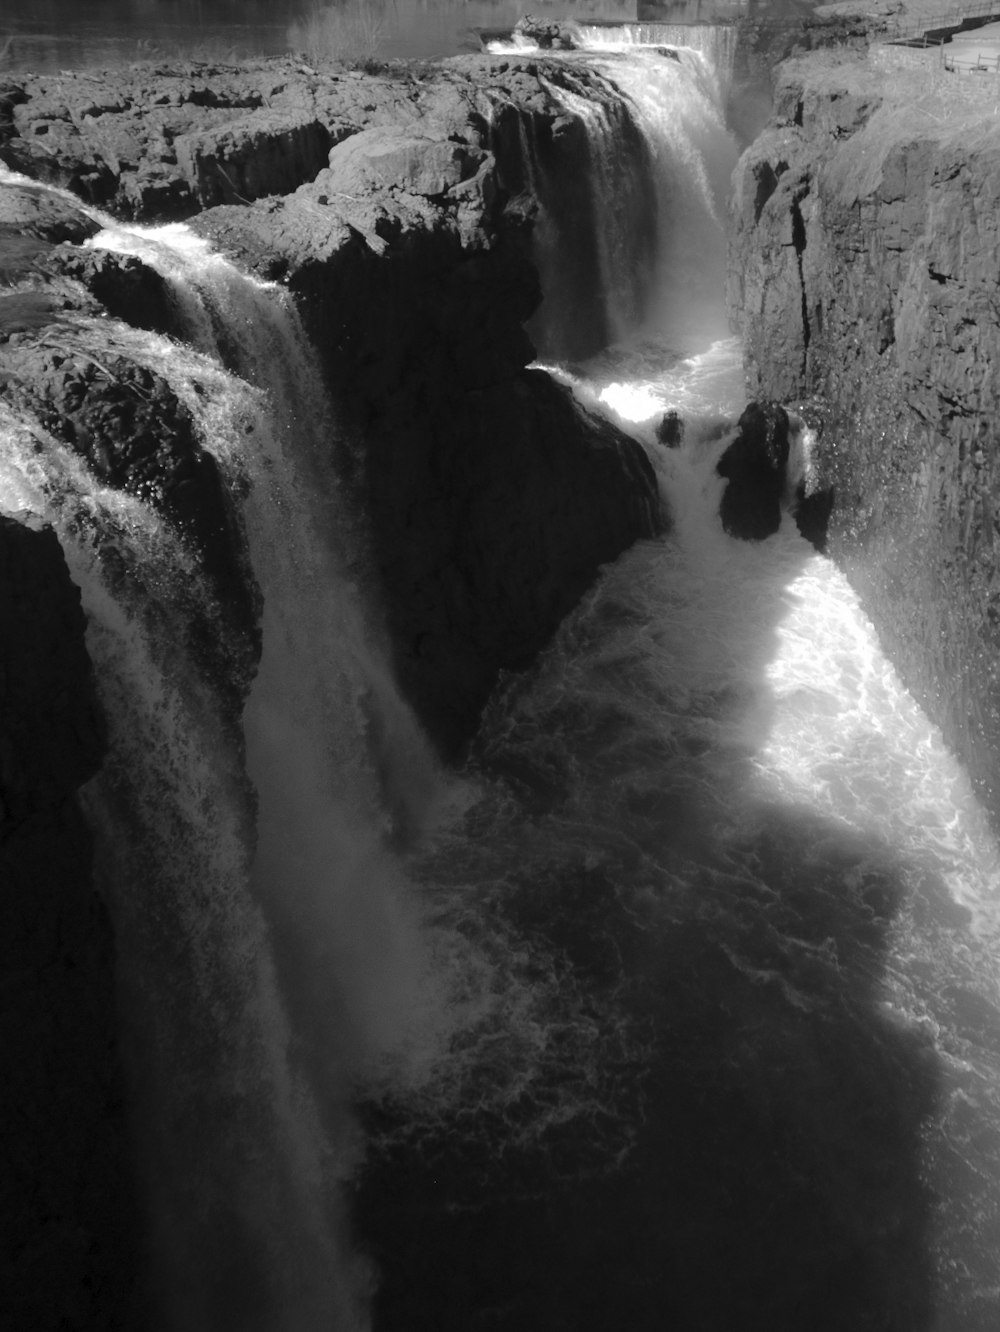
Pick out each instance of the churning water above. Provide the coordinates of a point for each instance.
(680, 1008)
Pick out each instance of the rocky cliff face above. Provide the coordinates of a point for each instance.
(67, 1207)
(864, 275)
(397, 206)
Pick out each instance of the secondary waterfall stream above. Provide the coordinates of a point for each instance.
(677, 1007)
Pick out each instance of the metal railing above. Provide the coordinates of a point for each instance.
(980, 66)
(952, 18)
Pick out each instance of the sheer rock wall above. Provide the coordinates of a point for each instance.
(67, 1206)
(397, 209)
(864, 277)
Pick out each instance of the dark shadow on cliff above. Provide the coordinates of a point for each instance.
(747, 1151)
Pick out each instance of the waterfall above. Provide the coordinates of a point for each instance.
(230, 1148)
(647, 239)
(678, 1004)
(716, 41)
(277, 961)
(247, 872)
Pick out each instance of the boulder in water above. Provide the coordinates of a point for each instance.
(670, 430)
(756, 464)
(549, 36)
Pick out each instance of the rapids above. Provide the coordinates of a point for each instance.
(678, 1006)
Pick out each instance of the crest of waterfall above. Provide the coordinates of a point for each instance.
(715, 41)
(637, 248)
(619, 208)
(678, 108)
(707, 931)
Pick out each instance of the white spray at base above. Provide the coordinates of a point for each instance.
(230, 1151)
(335, 756)
(275, 963)
(758, 658)
(272, 965)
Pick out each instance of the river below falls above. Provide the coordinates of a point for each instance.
(746, 907)
(699, 947)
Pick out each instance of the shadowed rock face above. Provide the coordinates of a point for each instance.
(396, 209)
(136, 436)
(67, 1208)
(864, 275)
(756, 465)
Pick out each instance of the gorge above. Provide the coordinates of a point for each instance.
(450, 882)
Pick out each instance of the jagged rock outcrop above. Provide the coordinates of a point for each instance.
(398, 207)
(755, 465)
(67, 1209)
(136, 436)
(864, 277)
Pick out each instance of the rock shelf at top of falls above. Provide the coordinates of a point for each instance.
(863, 273)
(396, 206)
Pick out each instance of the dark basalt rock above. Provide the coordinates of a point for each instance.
(863, 274)
(125, 287)
(138, 437)
(487, 499)
(670, 430)
(756, 465)
(549, 36)
(28, 210)
(68, 1212)
(488, 538)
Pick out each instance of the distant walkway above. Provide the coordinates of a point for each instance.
(929, 29)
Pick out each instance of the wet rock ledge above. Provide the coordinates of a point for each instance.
(864, 275)
(397, 206)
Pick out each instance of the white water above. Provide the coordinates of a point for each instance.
(754, 717)
(812, 718)
(230, 1147)
(711, 700)
(678, 106)
(681, 114)
(277, 961)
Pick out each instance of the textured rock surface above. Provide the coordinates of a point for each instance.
(136, 436)
(397, 207)
(865, 277)
(491, 501)
(756, 465)
(67, 1212)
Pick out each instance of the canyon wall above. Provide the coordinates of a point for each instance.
(864, 277)
(68, 1209)
(397, 207)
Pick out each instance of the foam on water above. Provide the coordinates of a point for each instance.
(758, 659)
(711, 796)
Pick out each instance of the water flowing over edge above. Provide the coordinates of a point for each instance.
(799, 739)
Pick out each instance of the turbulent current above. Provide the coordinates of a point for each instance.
(677, 1007)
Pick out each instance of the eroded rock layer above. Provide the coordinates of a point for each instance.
(67, 1208)
(864, 276)
(398, 207)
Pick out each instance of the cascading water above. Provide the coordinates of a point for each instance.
(276, 962)
(658, 158)
(678, 1007)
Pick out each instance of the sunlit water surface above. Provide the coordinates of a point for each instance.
(768, 903)
(700, 947)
